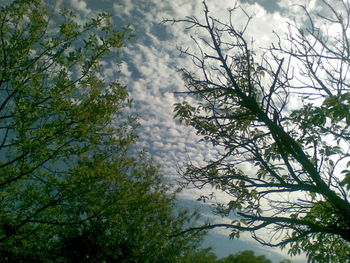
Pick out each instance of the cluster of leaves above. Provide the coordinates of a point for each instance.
(70, 188)
(297, 183)
(247, 256)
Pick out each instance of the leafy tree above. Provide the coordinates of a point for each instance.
(200, 256)
(246, 256)
(70, 188)
(295, 181)
(207, 256)
(135, 225)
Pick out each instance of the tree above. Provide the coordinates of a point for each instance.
(73, 187)
(200, 256)
(135, 225)
(296, 179)
(207, 256)
(246, 256)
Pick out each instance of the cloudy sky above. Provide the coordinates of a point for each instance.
(150, 73)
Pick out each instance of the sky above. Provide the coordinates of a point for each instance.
(150, 72)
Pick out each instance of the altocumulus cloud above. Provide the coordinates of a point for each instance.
(150, 73)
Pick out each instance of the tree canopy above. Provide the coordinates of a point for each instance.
(279, 118)
(73, 187)
(246, 256)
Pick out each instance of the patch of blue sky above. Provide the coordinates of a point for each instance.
(150, 73)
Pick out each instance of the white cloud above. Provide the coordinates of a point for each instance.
(171, 144)
(80, 5)
(151, 76)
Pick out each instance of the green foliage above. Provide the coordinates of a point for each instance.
(284, 167)
(70, 188)
(207, 256)
(246, 256)
(200, 256)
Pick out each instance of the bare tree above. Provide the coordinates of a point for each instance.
(297, 186)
